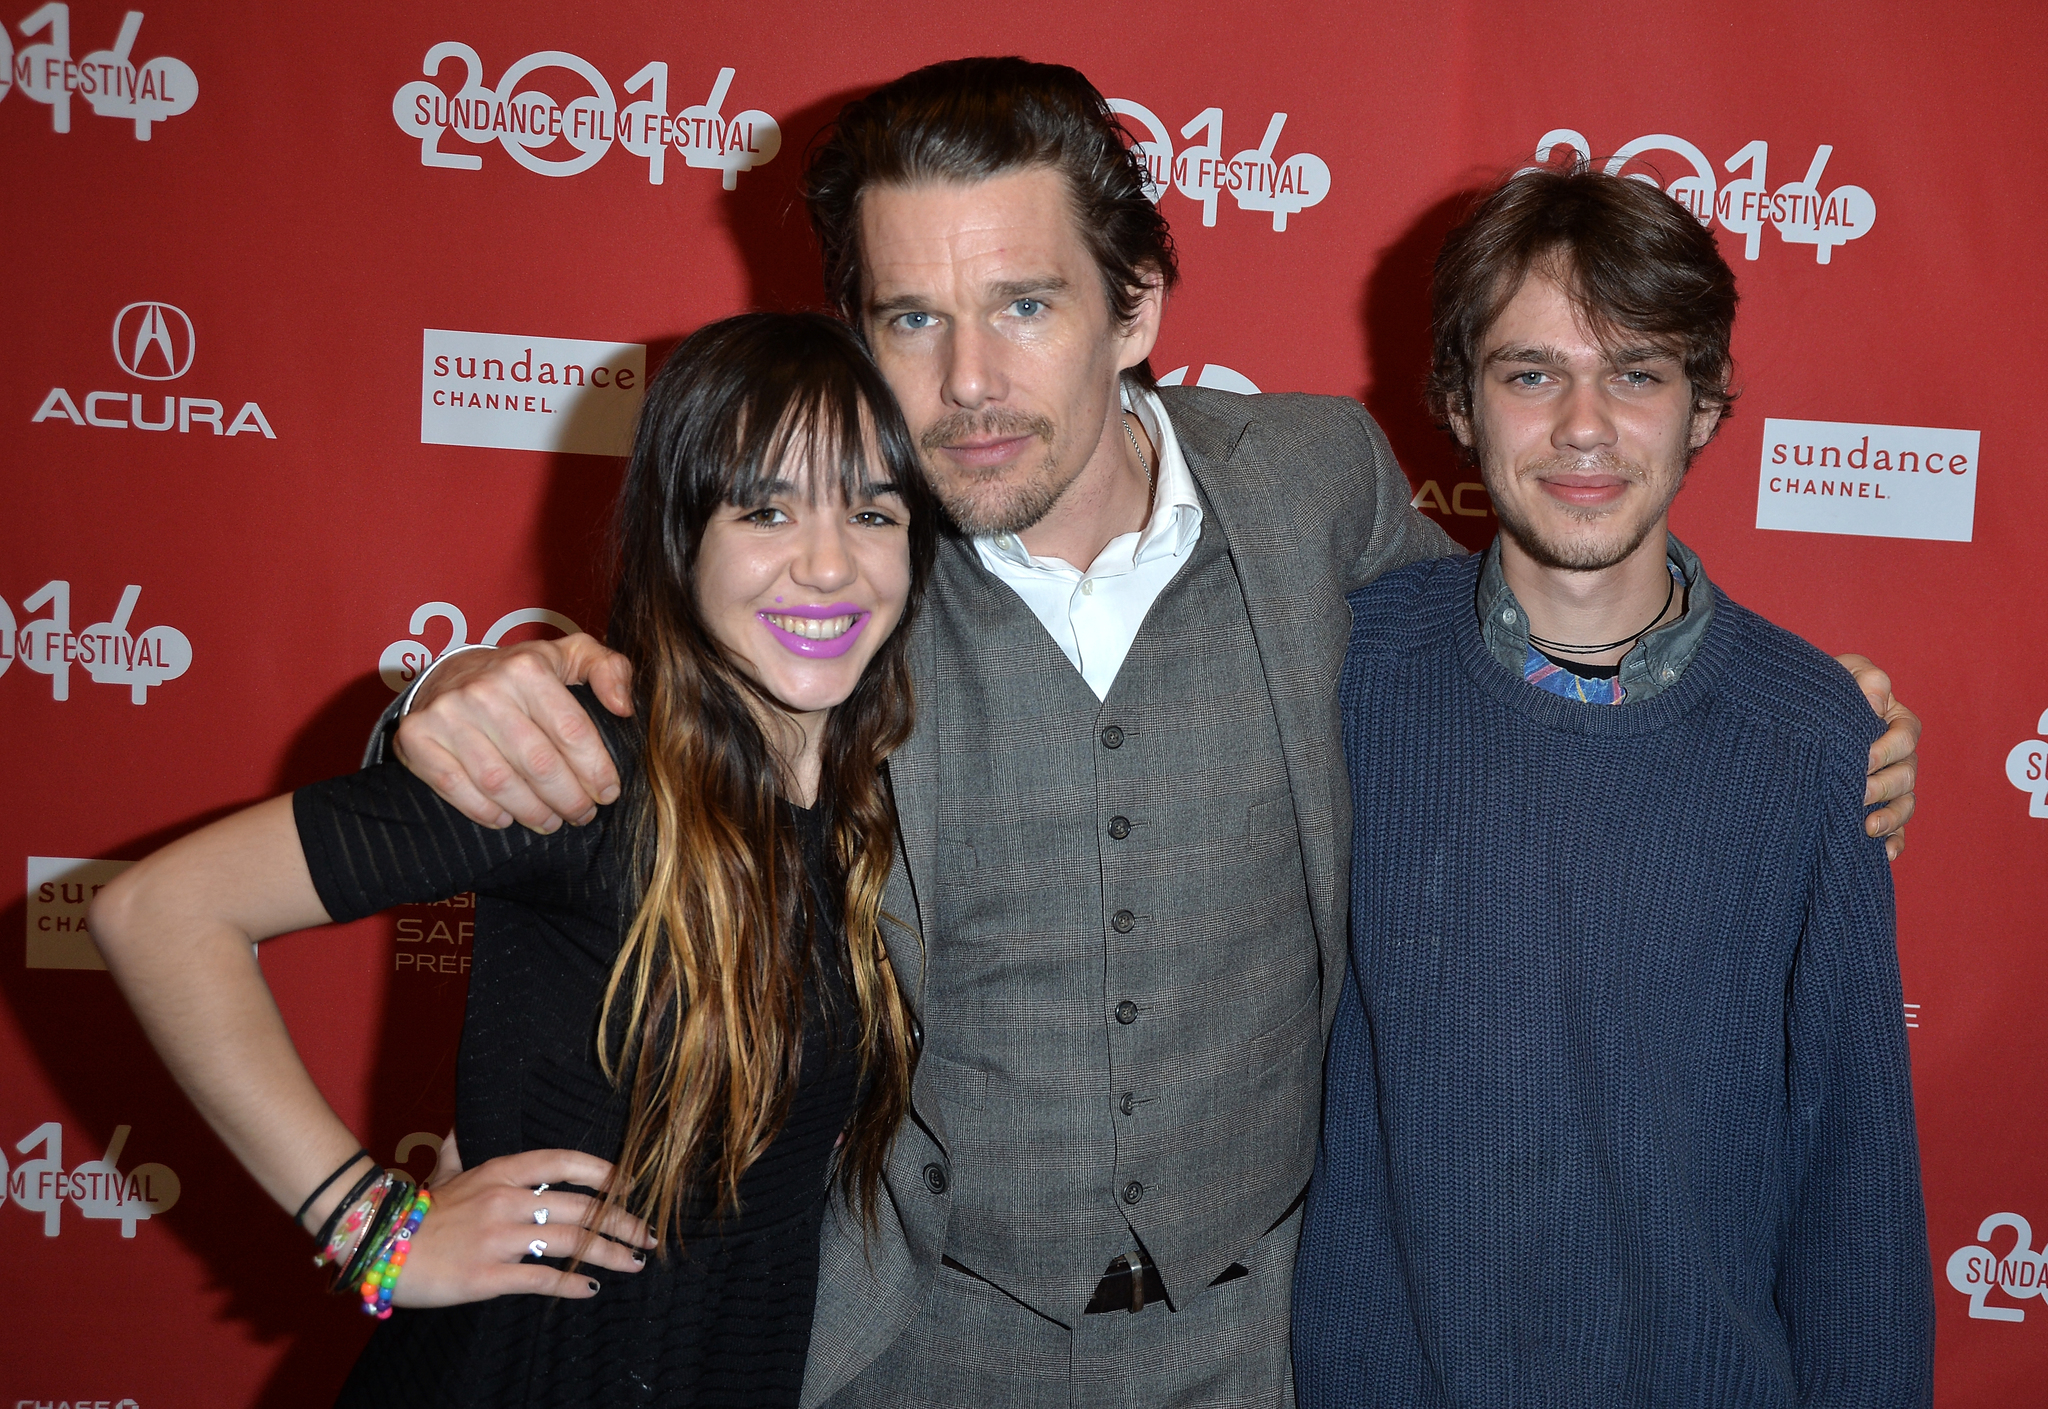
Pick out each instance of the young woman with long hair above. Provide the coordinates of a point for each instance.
(681, 1020)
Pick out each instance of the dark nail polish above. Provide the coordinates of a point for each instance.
(640, 1257)
(593, 1286)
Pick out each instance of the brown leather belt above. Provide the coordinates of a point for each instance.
(1132, 1281)
(1125, 1287)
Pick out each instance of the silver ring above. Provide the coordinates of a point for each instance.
(540, 1189)
(540, 1215)
(537, 1248)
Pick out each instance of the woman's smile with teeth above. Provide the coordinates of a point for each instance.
(821, 629)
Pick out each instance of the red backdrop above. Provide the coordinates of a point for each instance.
(215, 207)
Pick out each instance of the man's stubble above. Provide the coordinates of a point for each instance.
(985, 505)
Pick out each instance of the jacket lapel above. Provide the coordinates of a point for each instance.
(1301, 624)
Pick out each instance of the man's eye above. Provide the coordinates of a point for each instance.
(1636, 377)
(914, 322)
(1028, 307)
(1529, 379)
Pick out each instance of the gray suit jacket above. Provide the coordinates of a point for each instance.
(1311, 504)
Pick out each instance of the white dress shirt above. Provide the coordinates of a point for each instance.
(1094, 614)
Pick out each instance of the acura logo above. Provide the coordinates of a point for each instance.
(153, 341)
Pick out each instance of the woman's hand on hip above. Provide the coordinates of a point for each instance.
(484, 1224)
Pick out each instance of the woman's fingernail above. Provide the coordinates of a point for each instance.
(593, 1286)
(639, 1257)
(609, 795)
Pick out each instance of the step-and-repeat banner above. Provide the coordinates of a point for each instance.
(324, 328)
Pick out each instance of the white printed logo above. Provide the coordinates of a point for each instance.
(1976, 1271)
(153, 342)
(531, 122)
(98, 1187)
(116, 87)
(1872, 480)
(2026, 768)
(60, 888)
(404, 660)
(1800, 211)
(1256, 179)
(107, 650)
(505, 392)
(1215, 376)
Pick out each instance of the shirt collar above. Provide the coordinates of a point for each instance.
(1176, 521)
(1651, 666)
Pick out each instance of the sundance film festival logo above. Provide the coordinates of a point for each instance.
(1259, 178)
(2016, 1274)
(109, 79)
(2026, 768)
(564, 123)
(153, 342)
(97, 1188)
(107, 651)
(405, 659)
(1803, 212)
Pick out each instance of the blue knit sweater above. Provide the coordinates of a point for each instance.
(1618, 1108)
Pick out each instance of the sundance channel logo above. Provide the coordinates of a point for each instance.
(1875, 481)
(505, 392)
(2026, 768)
(60, 888)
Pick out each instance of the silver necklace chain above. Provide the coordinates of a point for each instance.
(1143, 463)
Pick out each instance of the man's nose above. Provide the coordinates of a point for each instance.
(1585, 421)
(974, 371)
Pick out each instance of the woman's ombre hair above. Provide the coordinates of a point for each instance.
(703, 1018)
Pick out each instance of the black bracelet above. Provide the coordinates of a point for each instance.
(346, 1166)
(327, 1229)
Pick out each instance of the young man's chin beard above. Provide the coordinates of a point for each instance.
(1592, 553)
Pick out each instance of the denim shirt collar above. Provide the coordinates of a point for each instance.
(1652, 665)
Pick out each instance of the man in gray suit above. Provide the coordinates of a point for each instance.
(1124, 819)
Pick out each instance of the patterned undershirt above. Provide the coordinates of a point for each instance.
(1558, 678)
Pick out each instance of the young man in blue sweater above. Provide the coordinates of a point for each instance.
(1618, 1105)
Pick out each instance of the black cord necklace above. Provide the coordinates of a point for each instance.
(1560, 648)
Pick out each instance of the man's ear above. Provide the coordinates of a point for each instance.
(1141, 334)
(1461, 429)
(1705, 422)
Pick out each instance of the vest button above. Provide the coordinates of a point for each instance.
(1127, 1103)
(1127, 1012)
(935, 1178)
(1112, 737)
(1119, 827)
(1121, 921)
(1133, 1191)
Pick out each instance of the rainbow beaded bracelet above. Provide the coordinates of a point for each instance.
(381, 1279)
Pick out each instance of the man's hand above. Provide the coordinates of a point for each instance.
(498, 735)
(1894, 761)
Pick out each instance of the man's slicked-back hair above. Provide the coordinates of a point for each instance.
(1638, 265)
(972, 119)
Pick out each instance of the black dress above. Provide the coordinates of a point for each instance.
(725, 1319)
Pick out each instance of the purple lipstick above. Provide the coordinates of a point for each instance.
(840, 625)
